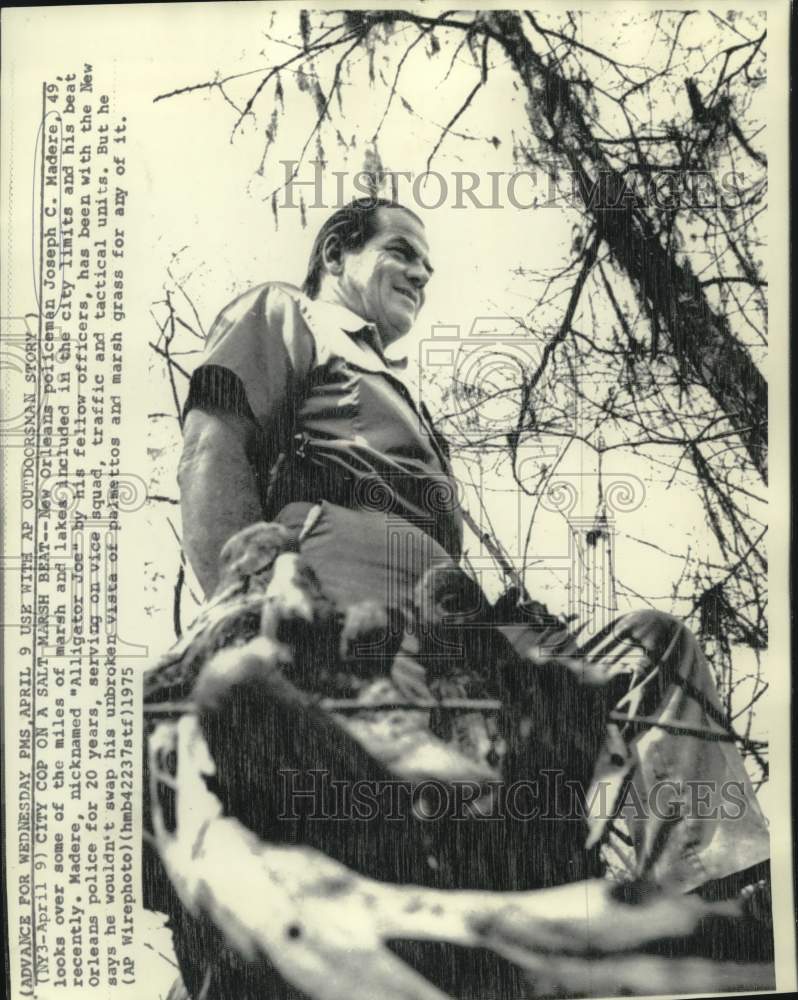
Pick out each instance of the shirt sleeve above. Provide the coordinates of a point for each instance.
(258, 353)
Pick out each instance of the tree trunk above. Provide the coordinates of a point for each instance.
(699, 337)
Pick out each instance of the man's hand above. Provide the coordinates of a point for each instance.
(218, 491)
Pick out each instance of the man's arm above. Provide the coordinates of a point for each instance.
(218, 491)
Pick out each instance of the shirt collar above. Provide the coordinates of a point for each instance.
(355, 326)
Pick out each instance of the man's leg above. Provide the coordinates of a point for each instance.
(669, 763)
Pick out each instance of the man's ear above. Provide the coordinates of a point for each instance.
(332, 254)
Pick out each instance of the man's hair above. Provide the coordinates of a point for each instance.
(354, 225)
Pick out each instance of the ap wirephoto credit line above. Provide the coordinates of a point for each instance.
(395, 557)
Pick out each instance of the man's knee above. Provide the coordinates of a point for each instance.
(652, 627)
(669, 647)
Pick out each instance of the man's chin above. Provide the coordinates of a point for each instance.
(400, 330)
(398, 325)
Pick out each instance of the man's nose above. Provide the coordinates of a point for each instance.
(418, 274)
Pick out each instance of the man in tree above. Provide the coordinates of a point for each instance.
(304, 375)
(297, 415)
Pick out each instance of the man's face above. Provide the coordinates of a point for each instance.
(384, 280)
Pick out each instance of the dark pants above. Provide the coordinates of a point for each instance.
(689, 812)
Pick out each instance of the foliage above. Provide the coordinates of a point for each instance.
(650, 342)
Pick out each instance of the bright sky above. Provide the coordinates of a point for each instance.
(209, 206)
(199, 207)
